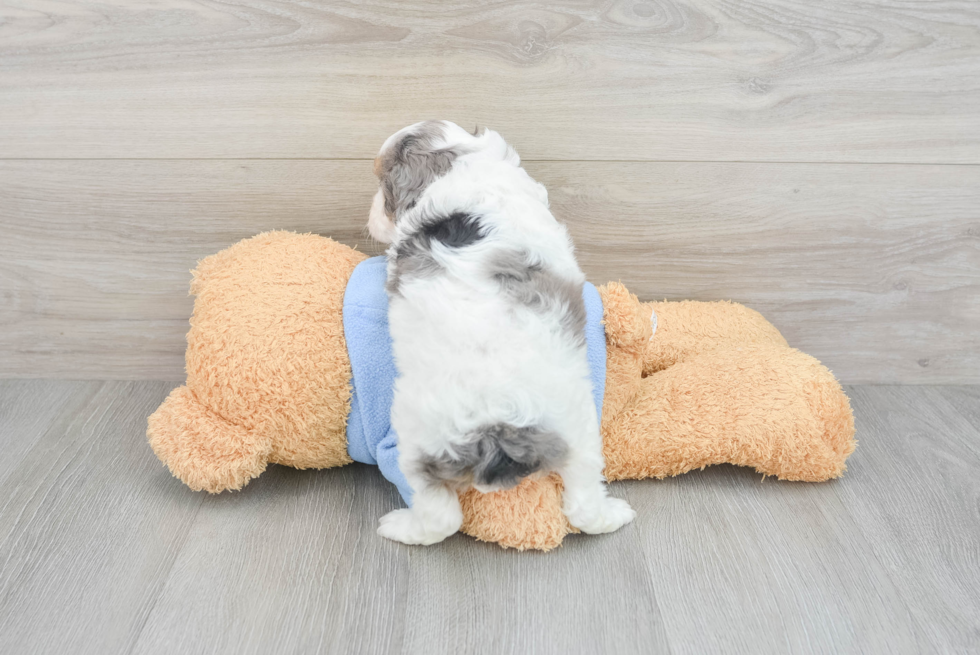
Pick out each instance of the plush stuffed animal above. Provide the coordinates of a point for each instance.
(270, 380)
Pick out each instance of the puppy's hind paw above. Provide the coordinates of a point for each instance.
(608, 515)
(404, 525)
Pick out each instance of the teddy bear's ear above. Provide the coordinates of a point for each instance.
(627, 323)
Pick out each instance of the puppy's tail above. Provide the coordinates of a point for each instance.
(505, 454)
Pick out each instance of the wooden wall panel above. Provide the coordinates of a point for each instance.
(773, 80)
(874, 269)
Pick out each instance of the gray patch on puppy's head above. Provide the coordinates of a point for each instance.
(534, 286)
(410, 165)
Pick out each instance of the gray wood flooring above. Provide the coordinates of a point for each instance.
(101, 551)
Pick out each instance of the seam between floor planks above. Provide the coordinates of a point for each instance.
(166, 576)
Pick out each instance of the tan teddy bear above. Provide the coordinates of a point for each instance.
(269, 381)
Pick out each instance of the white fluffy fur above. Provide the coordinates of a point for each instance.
(469, 356)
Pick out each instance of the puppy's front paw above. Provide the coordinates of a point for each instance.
(606, 515)
(404, 525)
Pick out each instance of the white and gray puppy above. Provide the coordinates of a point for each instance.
(487, 325)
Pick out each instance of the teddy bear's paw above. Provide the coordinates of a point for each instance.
(406, 526)
(607, 515)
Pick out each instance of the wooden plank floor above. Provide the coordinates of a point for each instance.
(101, 551)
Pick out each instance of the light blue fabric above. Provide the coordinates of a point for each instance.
(595, 343)
(370, 437)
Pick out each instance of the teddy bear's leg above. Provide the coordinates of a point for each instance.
(771, 408)
(202, 449)
(687, 328)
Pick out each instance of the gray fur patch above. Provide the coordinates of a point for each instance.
(413, 256)
(533, 286)
(498, 455)
(457, 230)
(411, 165)
(411, 260)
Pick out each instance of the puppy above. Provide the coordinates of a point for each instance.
(487, 324)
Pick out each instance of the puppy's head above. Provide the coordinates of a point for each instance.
(412, 158)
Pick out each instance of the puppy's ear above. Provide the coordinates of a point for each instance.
(410, 164)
